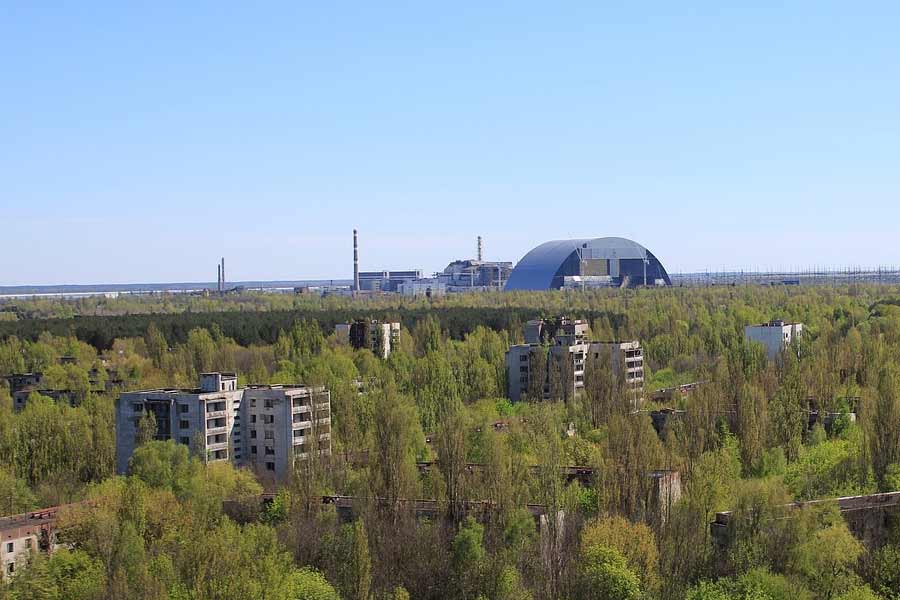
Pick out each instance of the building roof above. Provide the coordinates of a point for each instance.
(538, 268)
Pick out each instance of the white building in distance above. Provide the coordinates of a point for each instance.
(775, 335)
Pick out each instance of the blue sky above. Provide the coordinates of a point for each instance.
(141, 141)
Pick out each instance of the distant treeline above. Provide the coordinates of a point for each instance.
(251, 327)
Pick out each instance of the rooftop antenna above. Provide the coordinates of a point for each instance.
(480, 248)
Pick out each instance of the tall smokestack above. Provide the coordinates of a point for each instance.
(355, 261)
(223, 274)
(479, 248)
(218, 277)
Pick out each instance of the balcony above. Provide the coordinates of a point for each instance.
(216, 413)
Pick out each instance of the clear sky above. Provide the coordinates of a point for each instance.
(140, 141)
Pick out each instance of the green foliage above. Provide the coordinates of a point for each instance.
(165, 465)
(634, 541)
(827, 470)
(883, 572)
(312, 585)
(605, 574)
(161, 532)
(827, 560)
(757, 584)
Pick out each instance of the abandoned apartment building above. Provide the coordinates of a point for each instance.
(559, 350)
(263, 427)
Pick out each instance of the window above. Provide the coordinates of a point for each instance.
(185, 440)
(28, 543)
(269, 435)
(253, 418)
(184, 424)
(9, 546)
(252, 434)
(270, 451)
(269, 403)
(138, 407)
(523, 358)
(183, 408)
(268, 419)
(252, 449)
(252, 402)
(523, 369)
(270, 466)
(10, 568)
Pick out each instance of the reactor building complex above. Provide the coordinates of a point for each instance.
(598, 262)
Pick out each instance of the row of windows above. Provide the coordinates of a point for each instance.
(10, 546)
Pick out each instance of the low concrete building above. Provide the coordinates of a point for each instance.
(775, 335)
(20, 535)
(262, 427)
(428, 288)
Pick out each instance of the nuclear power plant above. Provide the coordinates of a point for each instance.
(579, 264)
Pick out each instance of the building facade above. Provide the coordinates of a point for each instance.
(775, 335)
(265, 428)
(466, 275)
(555, 357)
(20, 535)
(386, 281)
(376, 336)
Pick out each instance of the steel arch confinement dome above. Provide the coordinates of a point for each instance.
(609, 261)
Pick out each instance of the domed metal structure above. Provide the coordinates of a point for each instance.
(598, 262)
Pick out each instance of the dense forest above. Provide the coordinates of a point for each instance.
(177, 528)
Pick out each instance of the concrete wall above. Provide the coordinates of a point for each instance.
(775, 337)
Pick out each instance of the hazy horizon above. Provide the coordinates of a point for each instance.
(144, 145)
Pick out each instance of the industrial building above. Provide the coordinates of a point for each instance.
(775, 335)
(558, 351)
(265, 428)
(386, 281)
(428, 288)
(373, 335)
(475, 274)
(471, 275)
(584, 263)
(378, 281)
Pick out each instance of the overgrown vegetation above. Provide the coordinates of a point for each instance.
(743, 444)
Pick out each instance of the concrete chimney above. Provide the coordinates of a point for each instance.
(218, 277)
(479, 248)
(223, 274)
(355, 261)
